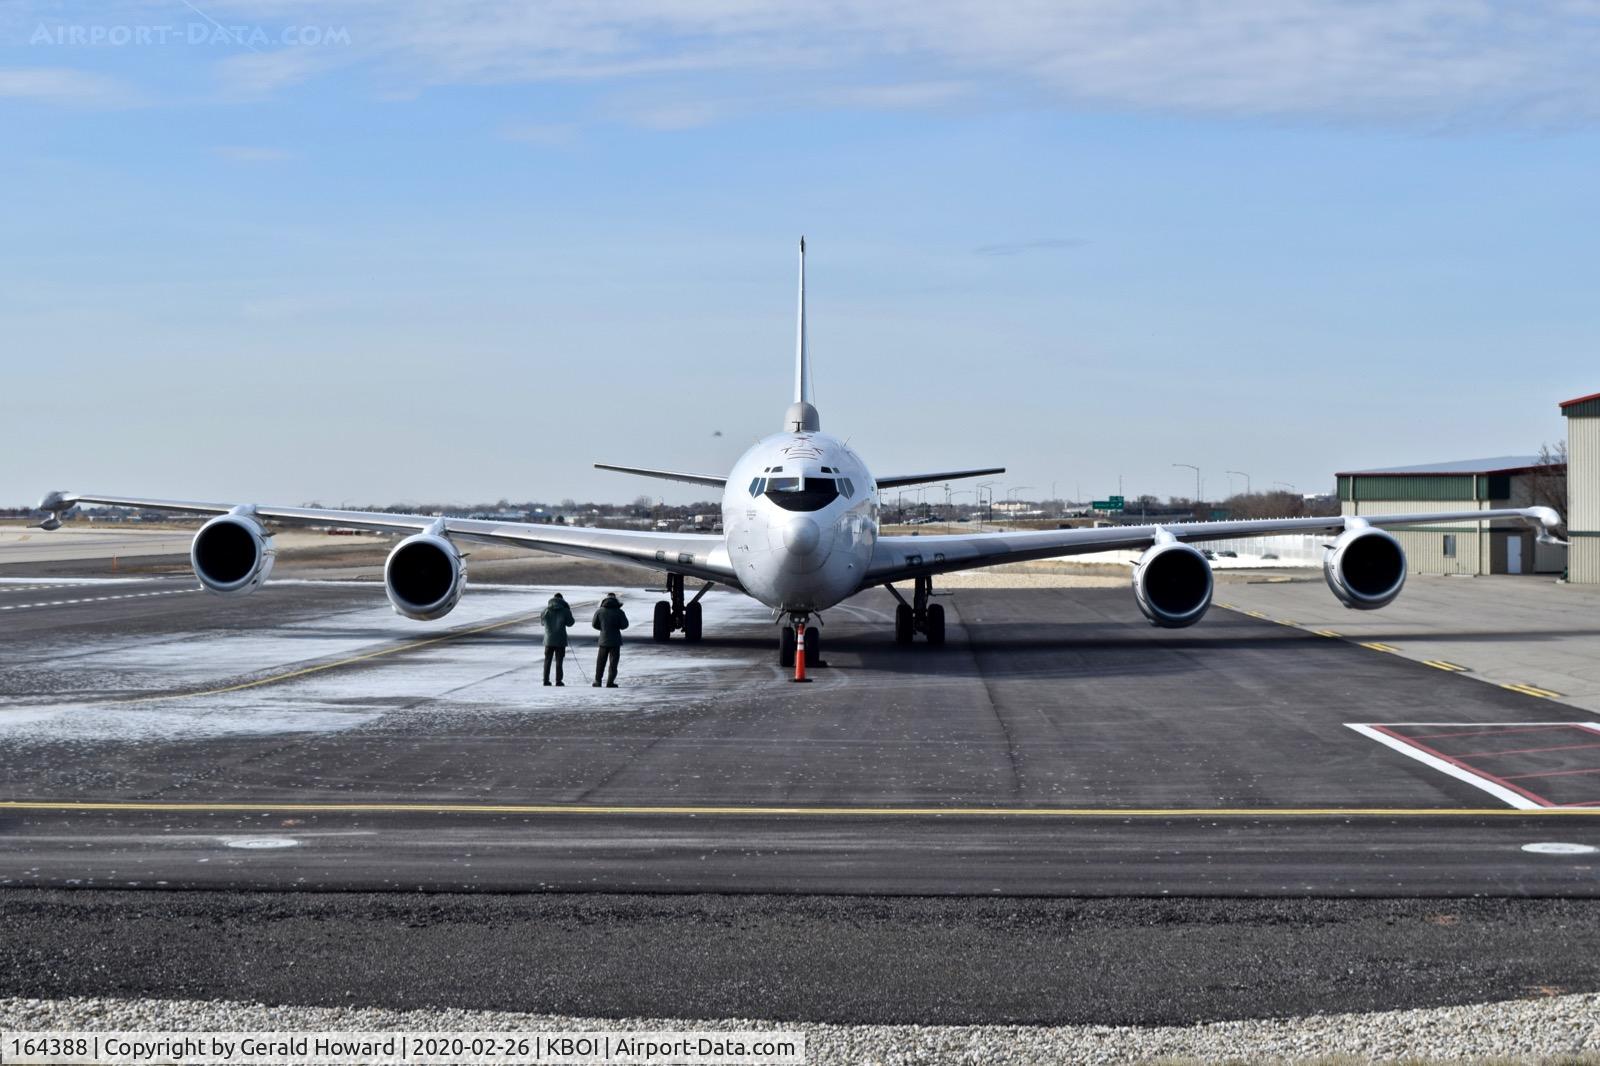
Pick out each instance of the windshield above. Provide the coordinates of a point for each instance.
(797, 494)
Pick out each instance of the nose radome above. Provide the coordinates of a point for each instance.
(801, 536)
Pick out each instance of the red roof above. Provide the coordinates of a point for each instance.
(1581, 399)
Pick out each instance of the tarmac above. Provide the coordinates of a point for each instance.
(1056, 751)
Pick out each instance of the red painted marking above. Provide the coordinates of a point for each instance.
(1557, 773)
(1496, 732)
(1468, 767)
(1526, 751)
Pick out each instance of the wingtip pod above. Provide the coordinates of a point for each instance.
(1549, 520)
(54, 505)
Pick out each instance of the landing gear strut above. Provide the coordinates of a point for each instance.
(673, 615)
(918, 616)
(799, 645)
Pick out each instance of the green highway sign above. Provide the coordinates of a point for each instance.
(1113, 504)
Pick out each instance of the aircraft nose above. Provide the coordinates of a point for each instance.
(801, 536)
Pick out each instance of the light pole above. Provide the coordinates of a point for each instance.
(1196, 470)
(1246, 477)
(976, 496)
(1011, 496)
(988, 514)
(1286, 485)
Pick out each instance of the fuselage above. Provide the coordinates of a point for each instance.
(800, 518)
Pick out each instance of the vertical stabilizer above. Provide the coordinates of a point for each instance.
(802, 366)
(802, 416)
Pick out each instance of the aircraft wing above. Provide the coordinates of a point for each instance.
(900, 557)
(666, 475)
(698, 555)
(901, 480)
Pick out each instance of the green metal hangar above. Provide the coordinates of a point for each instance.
(1583, 489)
(1503, 547)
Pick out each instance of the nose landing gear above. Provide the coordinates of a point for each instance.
(799, 645)
(919, 616)
(671, 616)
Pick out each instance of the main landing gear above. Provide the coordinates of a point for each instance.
(918, 616)
(673, 615)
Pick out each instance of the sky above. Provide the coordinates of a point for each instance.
(280, 252)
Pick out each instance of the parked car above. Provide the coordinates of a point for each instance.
(1227, 555)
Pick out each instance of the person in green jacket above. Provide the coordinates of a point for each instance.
(610, 621)
(556, 616)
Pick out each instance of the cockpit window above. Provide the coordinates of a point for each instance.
(802, 494)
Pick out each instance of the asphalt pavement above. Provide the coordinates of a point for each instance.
(1043, 820)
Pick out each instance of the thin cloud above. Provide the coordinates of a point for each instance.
(65, 87)
(246, 153)
(896, 96)
(1442, 64)
(1046, 244)
(259, 74)
(545, 134)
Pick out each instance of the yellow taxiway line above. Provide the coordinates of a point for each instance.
(1374, 645)
(1532, 690)
(289, 807)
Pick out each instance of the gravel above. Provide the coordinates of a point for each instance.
(1545, 1030)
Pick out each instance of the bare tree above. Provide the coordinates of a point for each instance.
(1549, 482)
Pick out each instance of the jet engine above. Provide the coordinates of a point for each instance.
(424, 577)
(232, 554)
(1172, 583)
(1365, 568)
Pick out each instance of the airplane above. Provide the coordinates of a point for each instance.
(800, 517)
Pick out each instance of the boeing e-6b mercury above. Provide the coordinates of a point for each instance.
(800, 521)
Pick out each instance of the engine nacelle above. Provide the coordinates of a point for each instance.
(232, 554)
(1365, 568)
(424, 577)
(1172, 583)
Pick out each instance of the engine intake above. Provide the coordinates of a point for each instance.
(1172, 583)
(1365, 568)
(232, 554)
(424, 577)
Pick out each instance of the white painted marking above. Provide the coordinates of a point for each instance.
(1554, 847)
(1515, 799)
(97, 599)
(66, 582)
(261, 843)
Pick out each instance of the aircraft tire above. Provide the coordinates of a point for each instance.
(661, 630)
(936, 624)
(813, 646)
(903, 628)
(691, 622)
(786, 647)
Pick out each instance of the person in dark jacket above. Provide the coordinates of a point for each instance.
(610, 621)
(556, 616)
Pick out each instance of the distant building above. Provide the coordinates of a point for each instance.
(1583, 488)
(1500, 547)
